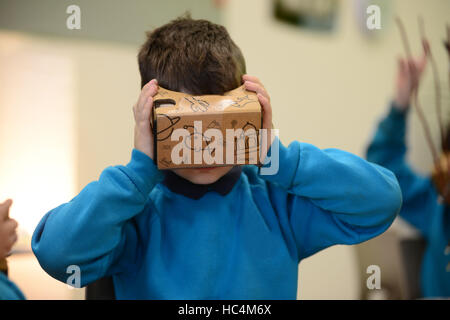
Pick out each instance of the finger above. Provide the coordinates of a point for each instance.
(134, 111)
(148, 106)
(145, 94)
(402, 66)
(9, 226)
(267, 111)
(148, 90)
(14, 223)
(4, 209)
(150, 83)
(412, 68)
(254, 79)
(251, 86)
(265, 104)
(146, 111)
(150, 116)
(422, 63)
(11, 240)
(248, 77)
(7, 202)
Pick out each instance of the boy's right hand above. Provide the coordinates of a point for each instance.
(409, 73)
(143, 136)
(8, 235)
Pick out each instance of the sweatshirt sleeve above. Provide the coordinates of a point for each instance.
(95, 229)
(388, 149)
(332, 196)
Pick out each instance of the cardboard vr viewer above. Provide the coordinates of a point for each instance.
(206, 131)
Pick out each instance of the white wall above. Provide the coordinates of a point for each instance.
(37, 130)
(38, 143)
(329, 90)
(65, 115)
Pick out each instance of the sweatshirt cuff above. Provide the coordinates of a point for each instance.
(394, 125)
(145, 173)
(397, 113)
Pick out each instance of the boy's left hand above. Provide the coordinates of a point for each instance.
(254, 84)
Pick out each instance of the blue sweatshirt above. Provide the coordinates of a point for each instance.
(247, 244)
(8, 290)
(420, 203)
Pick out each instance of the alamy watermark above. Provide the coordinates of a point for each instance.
(374, 280)
(74, 20)
(373, 21)
(74, 278)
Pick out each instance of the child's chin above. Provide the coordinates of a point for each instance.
(205, 176)
(202, 176)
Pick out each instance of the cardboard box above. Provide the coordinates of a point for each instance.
(184, 135)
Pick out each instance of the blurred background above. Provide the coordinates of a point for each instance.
(66, 99)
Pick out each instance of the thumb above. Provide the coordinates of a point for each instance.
(4, 209)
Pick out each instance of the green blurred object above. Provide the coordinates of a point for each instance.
(314, 15)
(104, 20)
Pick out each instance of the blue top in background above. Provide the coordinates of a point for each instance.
(420, 203)
(8, 290)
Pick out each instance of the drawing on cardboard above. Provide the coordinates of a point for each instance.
(195, 136)
(198, 104)
(214, 125)
(241, 102)
(166, 132)
(165, 162)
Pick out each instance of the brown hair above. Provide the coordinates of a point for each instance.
(195, 56)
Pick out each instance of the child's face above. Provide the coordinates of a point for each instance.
(203, 175)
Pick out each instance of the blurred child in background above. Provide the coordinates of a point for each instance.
(422, 204)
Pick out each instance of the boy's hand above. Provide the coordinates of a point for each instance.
(408, 77)
(253, 84)
(143, 136)
(8, 235)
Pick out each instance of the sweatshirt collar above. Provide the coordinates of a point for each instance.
(223, 186)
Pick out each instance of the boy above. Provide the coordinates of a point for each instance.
(222, 233)
(421, 207)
